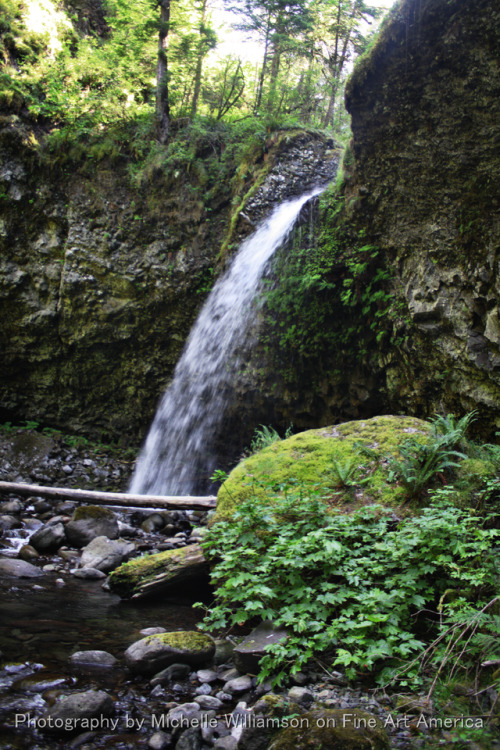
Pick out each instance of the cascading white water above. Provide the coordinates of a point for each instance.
(176, 458)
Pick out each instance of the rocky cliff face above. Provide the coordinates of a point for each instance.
(425, 184)
(100, 281)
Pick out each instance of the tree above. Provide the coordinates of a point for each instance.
(162, 98)
(280, 24)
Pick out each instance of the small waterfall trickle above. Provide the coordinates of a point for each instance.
(176, 458)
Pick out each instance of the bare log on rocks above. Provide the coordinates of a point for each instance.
(186, 502)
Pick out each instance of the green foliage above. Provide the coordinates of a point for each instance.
(266, 435)
(346, 587)
(420, 461)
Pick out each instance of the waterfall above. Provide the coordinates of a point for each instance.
(176, 458)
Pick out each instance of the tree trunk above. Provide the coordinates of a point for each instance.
(109, 498)
(199, 61)
(162, 102)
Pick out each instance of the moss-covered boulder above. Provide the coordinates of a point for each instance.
(348, 461)
(155, 652)
(153, 574)
(334, 729)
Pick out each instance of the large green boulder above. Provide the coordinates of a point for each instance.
(319, 458)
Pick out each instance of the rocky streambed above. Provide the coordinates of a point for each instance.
(83, 668)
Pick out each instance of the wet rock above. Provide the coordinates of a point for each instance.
(27, 553)
(207, 675)
(173, 672)
(226, 743)
(8, 522)
(106, 554)
(155, 652)
(89, 522)
(73, 712)
(159, 741)
(101, 659)
(223, 651)
(191, 739)
(152, 631)
(12, 506)
(208, 701)
(239, 684)
(250, 651)
(19, 569)
(155, 574)
(301, 695)
(90, 574)
(49, 538)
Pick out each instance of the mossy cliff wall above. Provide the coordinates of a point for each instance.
(424, 186)
(100, 281)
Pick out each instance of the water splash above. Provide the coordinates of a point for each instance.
(177, 458)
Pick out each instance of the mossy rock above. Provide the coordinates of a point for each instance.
(153, 574)
(334, 729)
(309, 459)
(94, 512)
(155, 652)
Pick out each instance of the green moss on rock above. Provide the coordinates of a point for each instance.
(155, 652)
(93, 512)
(309, 458)
(151, 574)
(333, 729)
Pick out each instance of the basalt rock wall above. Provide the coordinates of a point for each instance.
(425, 186)
(100, 281)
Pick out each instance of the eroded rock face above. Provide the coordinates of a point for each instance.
(425, 185)
(100, 282)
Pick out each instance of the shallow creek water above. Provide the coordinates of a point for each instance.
(45, 620)
(43, 623)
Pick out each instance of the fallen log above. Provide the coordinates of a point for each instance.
(186, 502)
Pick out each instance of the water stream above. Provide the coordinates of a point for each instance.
(177, 458)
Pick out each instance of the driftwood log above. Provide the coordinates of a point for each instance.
(109, 498)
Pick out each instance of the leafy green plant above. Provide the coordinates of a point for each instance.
(266, 435)
(346, 587)
(422, 460)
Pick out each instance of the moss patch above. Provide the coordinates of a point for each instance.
(188, 640)
(309, 458)
(166, 569)
(334, 729)
(94, 512)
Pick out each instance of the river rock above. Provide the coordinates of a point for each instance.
(11, 506)
(159, 741)
(239, 684)
(49, 538)
(27, 553)
(93, 659)
(89, 574)
(72, 713)
(191, 739)
(173, 672)
(252, 648)
(155, 652)
(106, 554)
(155, 574)
(89, 522)
(19, 569)
(334, 729)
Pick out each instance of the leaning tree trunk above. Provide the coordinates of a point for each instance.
(162, 102)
